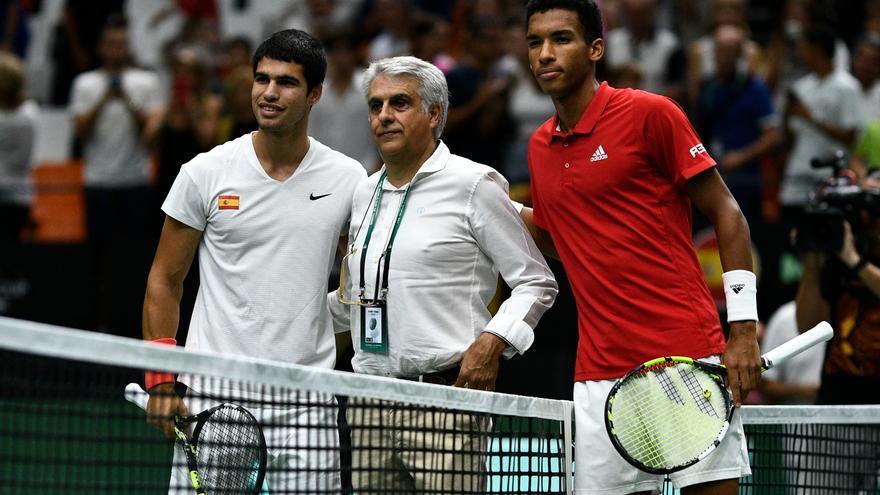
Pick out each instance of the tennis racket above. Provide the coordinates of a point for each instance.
(671, 412)
(226, 453)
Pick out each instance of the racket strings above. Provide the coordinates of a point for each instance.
(228, 451)
(661, 435)
(668, 387)
(664, 419)
(697, 391)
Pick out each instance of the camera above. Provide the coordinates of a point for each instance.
(837, 199)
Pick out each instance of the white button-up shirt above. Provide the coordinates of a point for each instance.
(458, 232)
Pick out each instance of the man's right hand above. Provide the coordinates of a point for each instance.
(163, 406)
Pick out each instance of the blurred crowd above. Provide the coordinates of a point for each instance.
(768, 85)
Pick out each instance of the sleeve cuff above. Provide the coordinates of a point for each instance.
(512, 330)
(339, 314)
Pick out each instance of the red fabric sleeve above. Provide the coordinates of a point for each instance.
(672, 141)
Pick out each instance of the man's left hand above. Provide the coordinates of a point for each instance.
(479, 364)
(742, 357)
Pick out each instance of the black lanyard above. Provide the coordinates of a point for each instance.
(387, 254)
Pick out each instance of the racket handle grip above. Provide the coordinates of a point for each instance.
(136, 395)
(797, 345)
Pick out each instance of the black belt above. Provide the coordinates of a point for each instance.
(445, 377)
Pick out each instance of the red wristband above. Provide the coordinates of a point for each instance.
(153, 378)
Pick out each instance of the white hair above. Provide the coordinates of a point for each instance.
(432, 83)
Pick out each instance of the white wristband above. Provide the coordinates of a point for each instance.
(741, 292)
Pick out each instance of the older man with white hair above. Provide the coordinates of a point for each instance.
(422, 314)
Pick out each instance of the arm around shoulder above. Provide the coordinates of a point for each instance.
(541, 237)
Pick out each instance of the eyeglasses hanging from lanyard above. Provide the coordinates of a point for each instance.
(382, 271)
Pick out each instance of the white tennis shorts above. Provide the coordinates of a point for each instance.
(600, 469)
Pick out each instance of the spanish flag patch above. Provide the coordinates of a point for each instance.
(227, 202)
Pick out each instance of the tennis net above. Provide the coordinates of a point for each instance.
(70, 423)
(813, 450)
(66, 427)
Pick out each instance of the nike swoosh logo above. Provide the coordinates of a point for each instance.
(313, 197)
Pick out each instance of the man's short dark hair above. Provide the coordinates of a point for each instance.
(823, 37)
(295, 46)
(587, 11)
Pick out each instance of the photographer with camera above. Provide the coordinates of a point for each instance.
(823, 111)
(839, 239)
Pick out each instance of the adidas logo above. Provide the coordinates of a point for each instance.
(737, 287)
(599, 154)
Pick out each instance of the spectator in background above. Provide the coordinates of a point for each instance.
(191, 9)
(75, 42)
(529, 108)
(735, 118)
(14, 29)
(113, 108)
(17, 128)
(389, 19)
(701, 53)
(479, 125)
(236, 78)
(314, 15)
(866, 69)
(795, 381)
(643, 42)
(190, 120)
(627, 76)
(201, 35)
(823, 113)
(429, 38)
(236, 53)
(340, 119)
(780, 64)
(866, 154)
(238, 116)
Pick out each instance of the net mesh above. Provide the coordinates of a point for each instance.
(66, 428)
(813, 450)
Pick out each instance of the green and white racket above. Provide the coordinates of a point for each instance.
(226, 453)
(670, 412)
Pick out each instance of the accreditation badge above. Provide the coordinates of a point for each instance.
(374, 327)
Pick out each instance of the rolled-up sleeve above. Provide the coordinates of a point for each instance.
(502, 235)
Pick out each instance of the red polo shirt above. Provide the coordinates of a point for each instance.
(611, 194)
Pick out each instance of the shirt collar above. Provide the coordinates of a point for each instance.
(435, 163)
(590, 116)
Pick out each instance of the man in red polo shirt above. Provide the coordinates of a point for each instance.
(614, 174)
